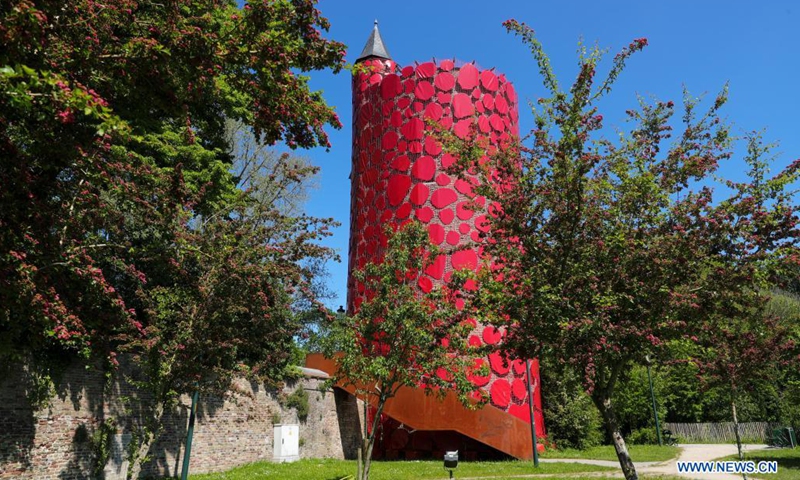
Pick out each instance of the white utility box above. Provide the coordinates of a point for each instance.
(287, 443)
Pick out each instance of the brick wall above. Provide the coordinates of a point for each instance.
(55, 442)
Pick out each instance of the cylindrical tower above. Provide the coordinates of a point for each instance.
(399, 173)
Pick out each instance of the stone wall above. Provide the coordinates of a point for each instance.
(56, 442)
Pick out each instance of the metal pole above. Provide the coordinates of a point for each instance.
(188, 451)
(533, 418)
(653, 396)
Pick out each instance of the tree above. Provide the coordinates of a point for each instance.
(122, 227)
(230, 307)
(402, 336)
(112, 132)
(606, 249)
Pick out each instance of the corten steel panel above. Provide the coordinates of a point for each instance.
(399, 173)
(419, 411)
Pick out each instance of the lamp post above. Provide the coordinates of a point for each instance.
(653, 396)
(533, 418)
(188, 450)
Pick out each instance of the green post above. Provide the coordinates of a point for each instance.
(653, 396)
(187, 452)
(533, 418)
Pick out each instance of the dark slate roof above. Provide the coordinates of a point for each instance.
(374, 46)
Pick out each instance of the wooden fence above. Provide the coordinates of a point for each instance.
(751, 432)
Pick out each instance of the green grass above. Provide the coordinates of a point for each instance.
(639, 453)
(788, 462)
(327, 469)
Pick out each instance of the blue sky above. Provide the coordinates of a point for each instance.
(753, 45)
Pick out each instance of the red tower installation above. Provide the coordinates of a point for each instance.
(399, 173)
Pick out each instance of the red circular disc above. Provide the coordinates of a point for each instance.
(413, 129)
(419, 194)
(468, 77)
(497, 122)
(402, 163)
(462, 128)
(464, 259)
(491, 335)
(496, 362)
(426, 70)
(453, 237)
(391, 86)
(432, 147)
(433, 111)
(519, 390)
(424, 90)
(404, 211)
(425, 284)
(424, 214)
(444, 81)
(500, 393)
(415, 147)
(519, 367)
(436, 269)
(489, 80)
(472, 374)
(436, 233)
(463, 211)
(481, 223)
(446, 216)
(464, 187)
(424, 168)
(510, 93)
(389, 140)
(398, 188)
(442, 197)
(500, 104)
(462, 105)
(488, 102)
(396, 119)
(483, 124)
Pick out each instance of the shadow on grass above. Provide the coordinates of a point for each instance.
(790, 463)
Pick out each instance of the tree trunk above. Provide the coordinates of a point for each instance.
(359, 476)
(369, 441)
(736, 428)
(149, 434)
(610, 420)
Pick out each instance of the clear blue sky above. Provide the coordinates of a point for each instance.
(754, 45)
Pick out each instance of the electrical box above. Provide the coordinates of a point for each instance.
(286, 443)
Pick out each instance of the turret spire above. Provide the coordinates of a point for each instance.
(374, 46)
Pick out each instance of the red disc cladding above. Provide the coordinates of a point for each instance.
(401, 173)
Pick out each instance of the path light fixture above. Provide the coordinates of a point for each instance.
(451, 461)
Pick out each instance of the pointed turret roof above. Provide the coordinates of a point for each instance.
(374, 46)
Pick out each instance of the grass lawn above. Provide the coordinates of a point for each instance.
(397, 470)
(639, 453)
(788, 462)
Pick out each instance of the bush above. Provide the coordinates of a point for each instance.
(571, 419)
(643, 436)
(299, 401)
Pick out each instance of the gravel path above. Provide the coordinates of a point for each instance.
(691, 452)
